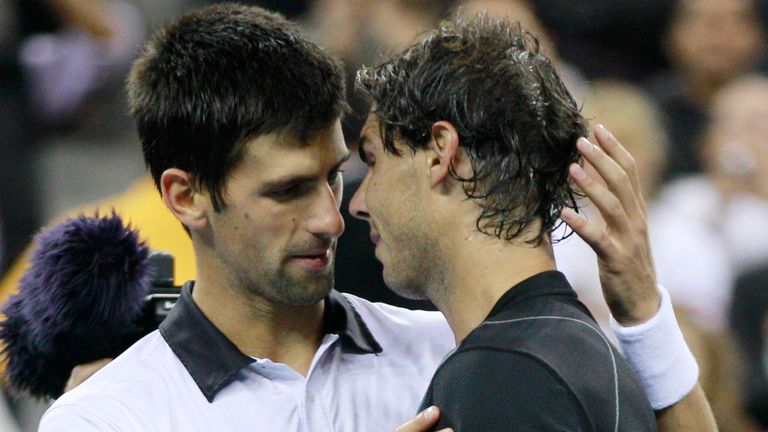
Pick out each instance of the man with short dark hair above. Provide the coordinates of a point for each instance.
(239, 119)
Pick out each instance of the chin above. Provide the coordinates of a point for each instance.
(304, 292)
(411, 291)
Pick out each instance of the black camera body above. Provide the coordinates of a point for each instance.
(163, 294)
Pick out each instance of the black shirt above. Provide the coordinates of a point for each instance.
(748, 319)
(539, 362)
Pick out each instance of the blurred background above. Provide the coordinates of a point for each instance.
(682, 83)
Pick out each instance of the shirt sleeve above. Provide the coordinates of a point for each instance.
(488, 391)
(74, 418)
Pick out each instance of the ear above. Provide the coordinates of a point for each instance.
(182, 198)
(444, 151)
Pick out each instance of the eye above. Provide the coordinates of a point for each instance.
(369, 160)
(288, 192)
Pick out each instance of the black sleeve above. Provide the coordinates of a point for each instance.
(748, 316)
(487, 391)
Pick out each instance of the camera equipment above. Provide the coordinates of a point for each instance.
(163, 294)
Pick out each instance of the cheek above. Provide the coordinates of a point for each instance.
(263, 227)
(376, 195)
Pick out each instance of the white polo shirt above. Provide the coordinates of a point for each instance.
(369, 374)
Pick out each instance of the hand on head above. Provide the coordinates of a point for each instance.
(626, 266)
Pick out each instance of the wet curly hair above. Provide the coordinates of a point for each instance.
(516, 121)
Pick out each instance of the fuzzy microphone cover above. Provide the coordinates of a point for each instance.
(77, 303)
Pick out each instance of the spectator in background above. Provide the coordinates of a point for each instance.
(730, 199)
(708, 42)
(56, 56)
(619, 39)
(724, 207)
(738, 162)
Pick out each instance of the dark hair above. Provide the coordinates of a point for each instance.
(219, 76)
(515, 119)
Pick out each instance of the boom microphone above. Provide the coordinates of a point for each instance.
(80, 301)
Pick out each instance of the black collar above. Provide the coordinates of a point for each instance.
(214, 361)
(546, 283)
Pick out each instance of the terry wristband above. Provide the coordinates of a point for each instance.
(658, 354)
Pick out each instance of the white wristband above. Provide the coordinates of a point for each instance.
(658, 354)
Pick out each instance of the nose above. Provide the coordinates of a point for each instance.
(357, 206)
(327, 221)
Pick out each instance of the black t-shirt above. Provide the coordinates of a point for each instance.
(539, 363)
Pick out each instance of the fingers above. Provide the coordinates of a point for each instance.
(613, 187)
(423, 422)
(620, 155)
(609, 205)
(594, 235)
(616, 177)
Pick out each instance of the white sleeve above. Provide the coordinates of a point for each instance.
(65, 418)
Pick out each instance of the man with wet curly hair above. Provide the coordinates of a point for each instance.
(471, 145)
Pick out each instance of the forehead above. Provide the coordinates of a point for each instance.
(371, 133)
(285, 152)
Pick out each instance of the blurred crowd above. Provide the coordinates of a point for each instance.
(682, 83)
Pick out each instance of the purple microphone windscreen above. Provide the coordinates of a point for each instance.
(77, 303)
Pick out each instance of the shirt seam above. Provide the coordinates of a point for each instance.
(584, 323)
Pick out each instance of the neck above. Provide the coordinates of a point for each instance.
(479, 270)
(257, 326)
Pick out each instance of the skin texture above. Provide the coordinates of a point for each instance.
(401, 240)
(265, 261)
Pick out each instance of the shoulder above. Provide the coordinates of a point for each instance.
(469, 368)
(120, 396)
(393, 325)
(484, 389)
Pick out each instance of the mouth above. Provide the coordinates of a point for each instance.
(316, 260)
(375, 238)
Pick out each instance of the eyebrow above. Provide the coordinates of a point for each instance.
(297, 179)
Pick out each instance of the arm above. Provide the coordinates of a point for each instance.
(627, 273)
